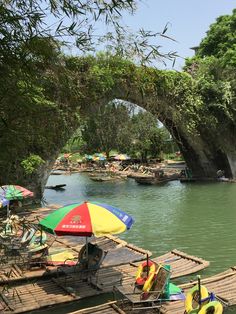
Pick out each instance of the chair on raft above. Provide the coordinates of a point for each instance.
(152, 292)
(35, 247)
(161, 286)
(152, 280)
(14, 239)
(85, 265)
(90, 260)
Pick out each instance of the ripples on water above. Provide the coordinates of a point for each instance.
(196, 218)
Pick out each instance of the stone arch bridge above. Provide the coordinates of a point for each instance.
(172, 96)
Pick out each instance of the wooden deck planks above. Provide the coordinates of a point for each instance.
(42, 294)
(33, 296)
(72, 287)
(119, 253)
(181, 265)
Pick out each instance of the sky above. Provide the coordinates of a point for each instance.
(188, 21)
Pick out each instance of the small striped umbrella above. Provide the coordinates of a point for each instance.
(14, 192)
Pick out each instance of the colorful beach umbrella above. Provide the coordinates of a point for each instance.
(88, 157)
(87, 219)
(100, 155)
(99, 158)
(14, 192)
(122, 157)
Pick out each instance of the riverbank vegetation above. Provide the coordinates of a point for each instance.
(112, 127)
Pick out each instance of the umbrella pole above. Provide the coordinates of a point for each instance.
(86, 254)
(41, 235)
(199, 291)
(8, 210)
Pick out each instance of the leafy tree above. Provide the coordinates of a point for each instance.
(75, 143)
(148, 137)
(22, 22)
(213, 68)
(220, 39)
(159, 140)
(102, 129)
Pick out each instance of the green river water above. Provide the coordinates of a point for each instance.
(197, 218)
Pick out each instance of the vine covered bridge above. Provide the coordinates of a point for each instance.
(205, 137)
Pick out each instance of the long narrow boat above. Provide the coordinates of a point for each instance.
(151, 180)
(56, 187)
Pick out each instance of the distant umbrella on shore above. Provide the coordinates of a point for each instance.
(122, 157)
(99, 158)
(88, 157)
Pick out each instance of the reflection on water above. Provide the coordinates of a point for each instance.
(196, 218)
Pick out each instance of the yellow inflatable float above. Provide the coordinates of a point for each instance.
(213, 307)
(208, 302)
(193, 295)
(145, 274)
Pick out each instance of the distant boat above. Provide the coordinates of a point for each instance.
(105, 178)
(55, 173)
(150, 180)
(185, 180)
(56, 187)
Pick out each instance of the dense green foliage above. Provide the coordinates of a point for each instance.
(32, 163)
(148, 138)
(112, 127)
(102, 129)
(220, 40)
(213, 69)
(45, 96)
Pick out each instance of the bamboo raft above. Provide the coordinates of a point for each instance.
(23, 290)
(181, 265)
(113, 247)
(20, 297)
